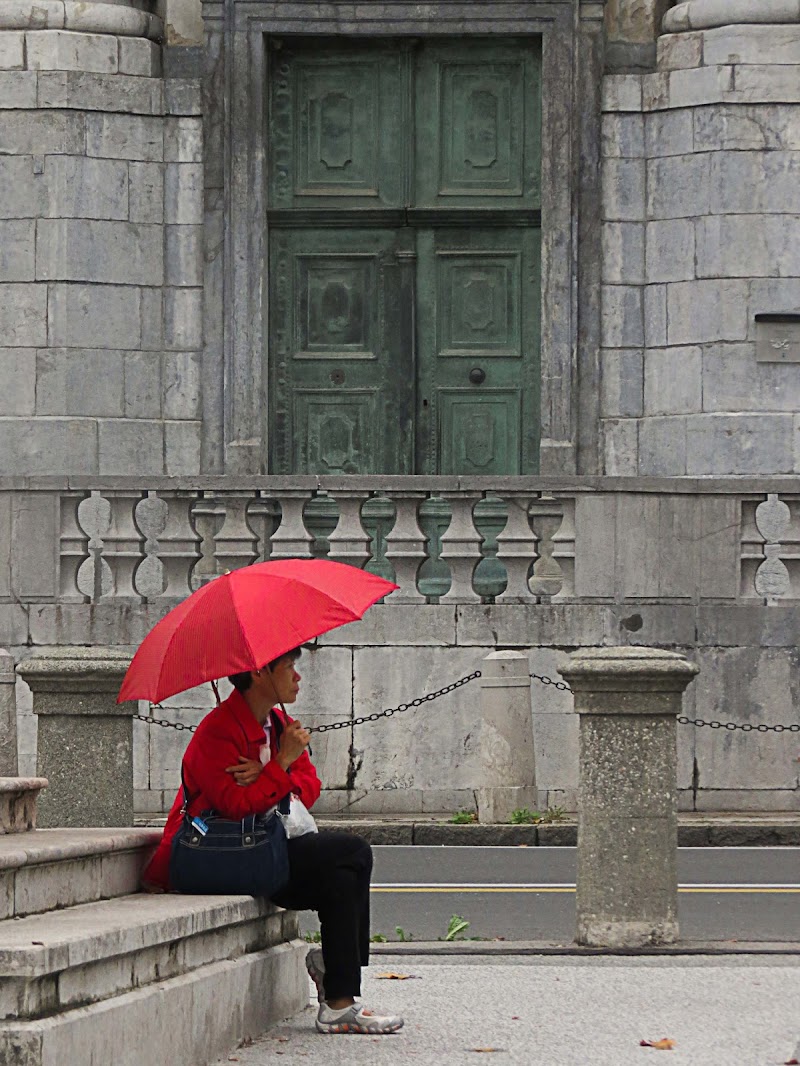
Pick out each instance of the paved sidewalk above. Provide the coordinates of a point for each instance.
(546, 1011)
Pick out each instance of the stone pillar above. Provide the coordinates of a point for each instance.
(632, 27)
(628, 700)
(85, 736)
(8, 716)
(508, 777)
(18, 797)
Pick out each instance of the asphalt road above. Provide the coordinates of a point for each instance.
(743, 894)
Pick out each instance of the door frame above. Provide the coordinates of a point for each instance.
(236, 282)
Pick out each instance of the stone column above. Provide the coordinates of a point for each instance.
(628, 700)
(508, 777)
(8, 716)
(85, 737)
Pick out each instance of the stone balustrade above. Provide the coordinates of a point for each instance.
(443, 539)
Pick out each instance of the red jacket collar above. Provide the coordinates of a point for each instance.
(238, 707)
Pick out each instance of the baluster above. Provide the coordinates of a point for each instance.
(461, 548)
(405, 546)
(349, 542)
(262, 518)
(234, 542)
(291, 540)
(751, 554)
(564, 551)
(123, 545)
(150, 515)
(74, 547)
(207, 516)
(516, 549)
(547, 515)
(94, 578)
(772, 577)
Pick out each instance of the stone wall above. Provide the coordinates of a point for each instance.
(701, 234)
(100, 244)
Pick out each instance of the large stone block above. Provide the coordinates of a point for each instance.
(64, 50)
(623, 185)
(655, 316)
(23, 315)
(622, 92)
(17, 91)
(131, 445)
(670, 250)
(733, 381)
(399, 624)
(184, 255)
(182, 393)
(142, 383)
(8, 734)
(621, 382)
(679, 186)
(183, 319)
(133, 137)
(48, 446)
(526, 625)
(623, 136)
(755, 182)
(620, 446)
(673, 381)
(139, 57)
(746, 127)
(555, 726)
(702, 311)
(83, 91)
(91, 316)
(87, 188)
(669, 133)
(746, 246)
(436, 745)
(755, 685)
(17, 248)
(146, 192)
(183, 194)
(751, 45)
(12, 51)
(694, 88)
(740, 444)
(182, 447)
(152, 320)
(622, 323)
(79, 381)
(765, 84)
(662, 446)
(18, 375)
(117, 253)
(623, 253)
(183, 140)
(42, 132)
(679, 51)
(508, 774)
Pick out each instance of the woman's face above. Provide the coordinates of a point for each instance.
(285, 680)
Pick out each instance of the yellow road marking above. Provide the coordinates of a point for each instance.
(538, 891)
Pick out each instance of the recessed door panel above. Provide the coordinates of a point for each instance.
(479, 434)
(336, 431)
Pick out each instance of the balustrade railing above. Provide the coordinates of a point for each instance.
(448, 540)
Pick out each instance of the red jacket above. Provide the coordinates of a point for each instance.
(227, 732)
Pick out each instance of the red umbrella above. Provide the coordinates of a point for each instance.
(245, 619)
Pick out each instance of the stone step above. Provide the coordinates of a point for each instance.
(18, 797)
(91, 952)
(49, 869)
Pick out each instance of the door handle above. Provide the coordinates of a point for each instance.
(477, 375)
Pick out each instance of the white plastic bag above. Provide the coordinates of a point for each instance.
(298, 821)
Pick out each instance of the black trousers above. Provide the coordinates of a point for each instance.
(329, 872)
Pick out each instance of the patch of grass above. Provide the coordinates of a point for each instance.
(313, 938)
(525, 816)
(402, 935)
(378, 938)
(456, 926)
(463, 817)
(553, 814)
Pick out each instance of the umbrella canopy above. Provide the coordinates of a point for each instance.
(245, 619)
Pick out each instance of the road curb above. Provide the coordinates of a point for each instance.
(534, 947)
(565, 834)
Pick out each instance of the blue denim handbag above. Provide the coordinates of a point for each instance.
(217, 856)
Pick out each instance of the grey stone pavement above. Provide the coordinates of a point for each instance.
(562, 1011)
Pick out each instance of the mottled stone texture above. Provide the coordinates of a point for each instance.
(85, 737)
(628, 700)
(8, 716)
(18, 797)
(714, 138)
(507, 773)
(99, 258)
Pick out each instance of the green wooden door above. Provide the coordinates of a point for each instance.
(404, 257)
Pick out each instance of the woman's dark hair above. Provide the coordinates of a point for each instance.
(242, 682)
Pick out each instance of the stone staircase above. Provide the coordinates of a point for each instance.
(93, 971)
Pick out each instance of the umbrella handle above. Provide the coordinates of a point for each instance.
(216, 692)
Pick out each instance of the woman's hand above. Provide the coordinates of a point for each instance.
(294, 741)
(246, 772)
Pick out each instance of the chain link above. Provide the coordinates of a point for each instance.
(746, 727)
(163, 721)
(562, 686)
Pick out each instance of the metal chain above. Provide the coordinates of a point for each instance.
(746, 727)
(151, 720)
(399, 710)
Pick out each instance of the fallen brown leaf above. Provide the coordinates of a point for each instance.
(792, 1062)
(661, 1045)
(390, 976)
(487, 1049)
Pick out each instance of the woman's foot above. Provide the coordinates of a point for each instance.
(315, 964)
(356, 1019)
